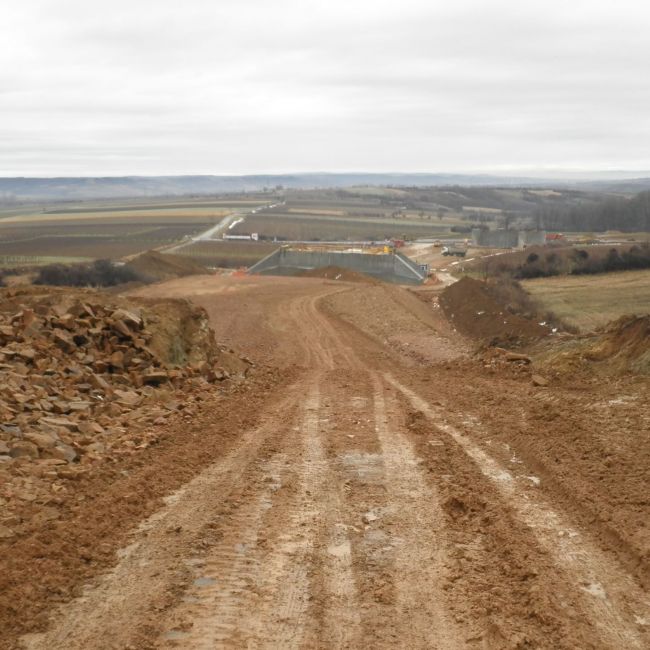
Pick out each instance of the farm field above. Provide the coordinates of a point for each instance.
(124, 209)
(347, 221)
(589, 301)
(90, 231)
(312, 228)
(228, 255)
(94, 239)
(122, 228)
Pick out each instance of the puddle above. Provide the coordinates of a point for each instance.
(204, 581)
(175, 635)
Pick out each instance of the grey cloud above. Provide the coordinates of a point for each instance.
(255, 86)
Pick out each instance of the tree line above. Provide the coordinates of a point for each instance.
(615, 213)
(581, 262)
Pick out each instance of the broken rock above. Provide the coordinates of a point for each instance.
(23, 449)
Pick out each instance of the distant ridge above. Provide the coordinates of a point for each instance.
(84, 188)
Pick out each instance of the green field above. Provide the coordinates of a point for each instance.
(589, 301)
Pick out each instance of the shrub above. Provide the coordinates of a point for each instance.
(101, 273)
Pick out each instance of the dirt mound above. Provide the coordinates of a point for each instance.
(157, 266)
(475, 313)
(621, 346)
(338, 273)
(625, 341)
(81, 375)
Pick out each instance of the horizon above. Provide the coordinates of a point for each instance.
(524, 174)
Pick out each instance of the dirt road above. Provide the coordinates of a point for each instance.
(369, 507)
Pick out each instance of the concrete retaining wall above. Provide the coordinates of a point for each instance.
(390, 267)
(532, 238)
(495, 238)
(508, 238)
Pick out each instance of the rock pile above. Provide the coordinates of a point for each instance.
(77, 377)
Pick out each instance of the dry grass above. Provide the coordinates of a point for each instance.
(589, 301)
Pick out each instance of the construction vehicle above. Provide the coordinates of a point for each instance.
(454, 251)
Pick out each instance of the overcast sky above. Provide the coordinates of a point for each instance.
(248, 86)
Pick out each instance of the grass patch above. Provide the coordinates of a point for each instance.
(588, 302)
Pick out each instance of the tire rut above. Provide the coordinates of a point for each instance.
(421, 555)
(611, 599)
(260, 576)
(149, 567)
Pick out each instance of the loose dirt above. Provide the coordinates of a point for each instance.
(469, 306)
(338, 273)
(354, 495)
(621, 347)
(153, 265)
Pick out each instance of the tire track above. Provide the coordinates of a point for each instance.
(338, 618)
(255, 587)
(150, 565)
(226, 587)
(420, 556)
(612, 600)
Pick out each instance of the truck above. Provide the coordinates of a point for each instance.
(454, 251)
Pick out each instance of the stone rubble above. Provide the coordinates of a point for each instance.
(80, 384)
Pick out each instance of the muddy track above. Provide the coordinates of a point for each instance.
(356, 515)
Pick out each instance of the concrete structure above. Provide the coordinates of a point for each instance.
(508, 238)
(390, 267)
(495, 238)
(532, 238)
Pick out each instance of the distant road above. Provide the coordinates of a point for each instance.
(227, 222)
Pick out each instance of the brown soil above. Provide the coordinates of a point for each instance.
(339, 273)
(475, 313)
(619, 348)
(96, 513)
(153, 265)
(360, 497)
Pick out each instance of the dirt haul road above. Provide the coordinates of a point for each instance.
(374, 504)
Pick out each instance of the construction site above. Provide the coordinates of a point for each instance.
(324, 325)
(310, 456)
(381, 262)
(323, 420)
